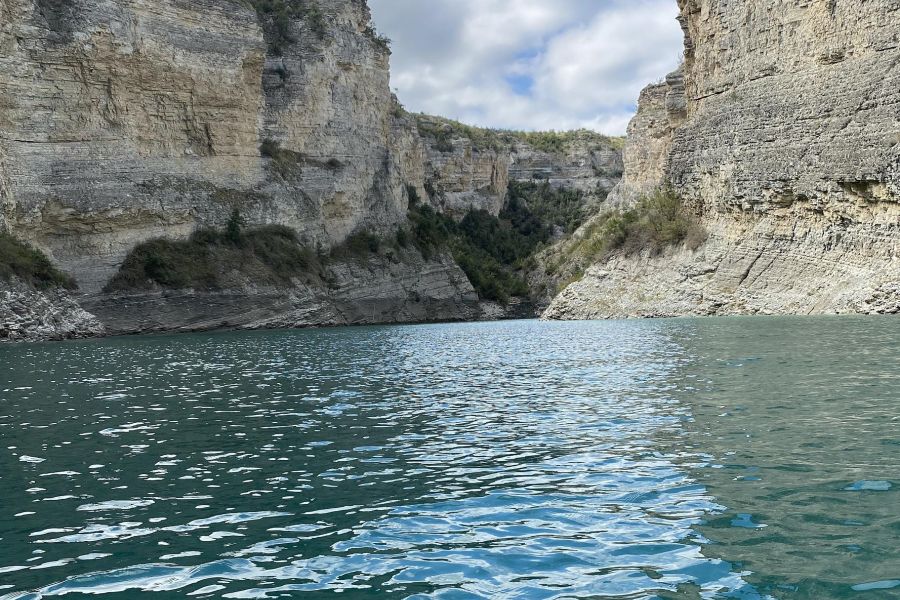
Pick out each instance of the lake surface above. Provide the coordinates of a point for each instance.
(748, 458)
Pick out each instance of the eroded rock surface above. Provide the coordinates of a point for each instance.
(782, 134)
(407, 289)
(124, 121)
(30, 315)
(127, 120)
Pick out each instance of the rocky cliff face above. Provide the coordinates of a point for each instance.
(30, 315)
(587, 162)
(127, 120)
(407, 289)
(461, 178)
(781, 132)
(470, 168)
(124, 121)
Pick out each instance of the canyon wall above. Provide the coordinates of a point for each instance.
(588, 162)
(123, 121)
(781, 132)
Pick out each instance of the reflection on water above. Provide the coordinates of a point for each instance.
(514, 460)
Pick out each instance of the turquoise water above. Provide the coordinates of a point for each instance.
(743, 458)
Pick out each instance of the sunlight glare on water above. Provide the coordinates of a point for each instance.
(501, 460)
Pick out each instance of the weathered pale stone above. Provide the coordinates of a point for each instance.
(463, 175)
(124, 121)
(787, 149)
(29, 315)
(589, 163)
(460, 176)
(648, 144)
(127, 120)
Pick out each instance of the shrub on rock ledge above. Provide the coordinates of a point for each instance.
(657, 221)
(214, 259)
(18, 259)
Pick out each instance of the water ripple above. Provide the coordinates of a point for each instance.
(515, 460)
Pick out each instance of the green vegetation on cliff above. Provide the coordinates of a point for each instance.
(658, 221)
(484, 247)
(216, 259)
(18, 259)
(277, 17)
(444, 131)
(546, 205)
(236, 256)
(494, 252)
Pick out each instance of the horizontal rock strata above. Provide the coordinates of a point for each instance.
(781, 132)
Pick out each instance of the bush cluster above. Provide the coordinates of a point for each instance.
(18, 259)
(359, 245)
(539, 205)
(489, 250)
(286, 163)
(270, 254)
(381, 41)
(444, 131)
(657, 221)
(277, 16)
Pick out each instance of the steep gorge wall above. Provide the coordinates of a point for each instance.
(461, 177)
(589, 162)
(471, 168)
(787, 148)
(111, 108)
(126, 120)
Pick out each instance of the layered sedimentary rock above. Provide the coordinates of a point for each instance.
(461, 177)
(27, 314)
(127, 120)
(123, 121)
(589, 162)
(470, 168)
(787, 148)
(649, 140)
(407, 289)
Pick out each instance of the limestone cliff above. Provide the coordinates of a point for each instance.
(124, 121)
(781, 132)
(584, 161)
(27, 314)
(407, 289)
(471, 167)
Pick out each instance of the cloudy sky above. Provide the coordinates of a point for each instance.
(529, 64)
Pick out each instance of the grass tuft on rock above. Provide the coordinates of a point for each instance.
(285, 163)
(18, 259)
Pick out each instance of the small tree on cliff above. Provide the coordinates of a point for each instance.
(234, 226)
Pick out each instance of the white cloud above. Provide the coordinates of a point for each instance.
(529, 64)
